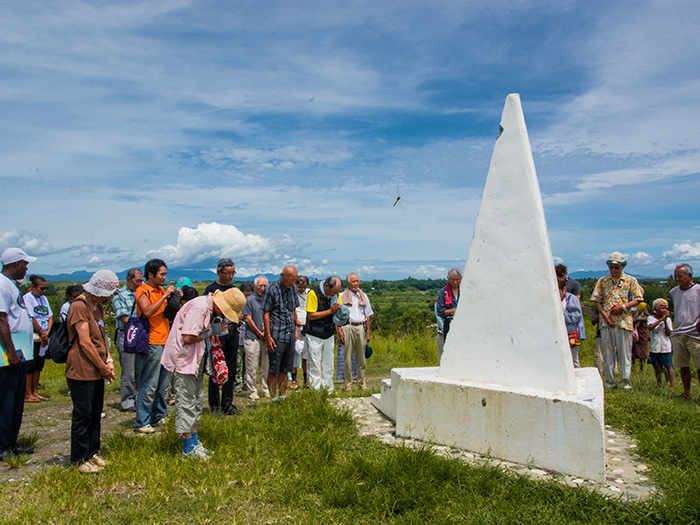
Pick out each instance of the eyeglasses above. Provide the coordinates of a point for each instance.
(614, 266)
(229, 273)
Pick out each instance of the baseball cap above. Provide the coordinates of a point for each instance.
(12, 255)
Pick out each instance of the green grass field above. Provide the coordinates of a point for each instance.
(303, 461)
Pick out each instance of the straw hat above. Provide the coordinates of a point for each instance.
(230, 302)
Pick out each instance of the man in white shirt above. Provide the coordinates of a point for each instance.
(15, 330)
(685, 337)
(355, 335)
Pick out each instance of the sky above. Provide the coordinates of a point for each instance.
(281, 132)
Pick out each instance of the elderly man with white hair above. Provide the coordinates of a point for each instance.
(256, 357)
(685, 337)
(355, 335)
(322, 302)
(615, 295)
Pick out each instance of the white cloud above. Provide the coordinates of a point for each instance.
(640, 259)
(34, 243)
(214, 240)
(429, 271)
(285, 158)
(367, 270)
(684, 251)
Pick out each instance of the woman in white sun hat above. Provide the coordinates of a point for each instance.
(88, 366)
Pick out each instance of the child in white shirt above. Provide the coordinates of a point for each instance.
(660, 350)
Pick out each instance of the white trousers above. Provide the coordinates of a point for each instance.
(319, 362)
(617, 347)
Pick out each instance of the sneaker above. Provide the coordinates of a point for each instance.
(237, 390)
(627, 388)
(22, 450)
(161, 421)
(347, 389)
(198, 452)
(146, 429)
(294, 385)
(98, 461)
(206, 451)
(254, 396)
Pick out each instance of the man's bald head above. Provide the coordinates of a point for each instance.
(288, 277)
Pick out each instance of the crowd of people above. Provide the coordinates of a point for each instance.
(265, 333)
(626, 331)
(269, 334)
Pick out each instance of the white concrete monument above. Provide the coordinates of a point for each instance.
(506, 385)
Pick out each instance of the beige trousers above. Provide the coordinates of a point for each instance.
(355, 342)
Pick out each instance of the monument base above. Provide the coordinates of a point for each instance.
(559, 432)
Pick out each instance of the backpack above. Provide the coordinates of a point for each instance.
(136, 334)
(58, 341)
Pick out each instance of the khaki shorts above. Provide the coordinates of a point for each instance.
(189, 399)
(685, 347)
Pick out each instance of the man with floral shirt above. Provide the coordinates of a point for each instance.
(614, 296)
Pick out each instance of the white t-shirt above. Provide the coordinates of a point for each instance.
(39, 308)
(12, 304)
(686, 309)
(64, 310)
(301, 309)
(659, 342)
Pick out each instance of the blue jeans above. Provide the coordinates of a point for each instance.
(150, 400)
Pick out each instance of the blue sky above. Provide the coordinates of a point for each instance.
(278, 132)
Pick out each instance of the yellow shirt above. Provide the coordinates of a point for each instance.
(312, 301)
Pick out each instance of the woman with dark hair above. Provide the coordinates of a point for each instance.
(42, 319)
(72, 293)
(88, 366)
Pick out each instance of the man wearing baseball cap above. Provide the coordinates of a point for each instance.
(16, 341)
(615, 295)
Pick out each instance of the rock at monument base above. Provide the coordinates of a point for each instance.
(559, 432)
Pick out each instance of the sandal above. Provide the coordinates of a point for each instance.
(32, 400)
(98, 461)
(42, 398)
(88, 468)
(683, 396)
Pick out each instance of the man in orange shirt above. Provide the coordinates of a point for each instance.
(151, 299)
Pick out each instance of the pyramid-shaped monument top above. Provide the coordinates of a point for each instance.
(509, 328)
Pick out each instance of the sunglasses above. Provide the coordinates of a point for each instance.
(44, 288)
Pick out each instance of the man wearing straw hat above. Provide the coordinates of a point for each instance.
(615, 295)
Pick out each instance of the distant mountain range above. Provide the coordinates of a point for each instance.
(201, 274)
(173, 275)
